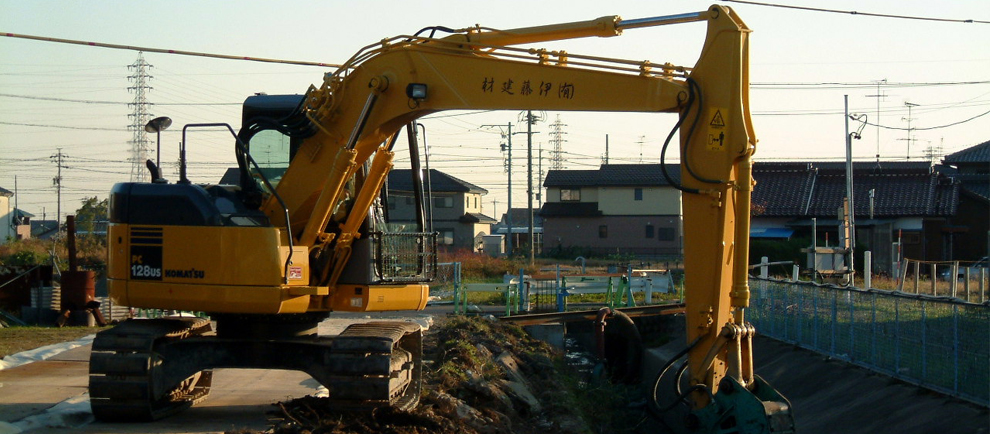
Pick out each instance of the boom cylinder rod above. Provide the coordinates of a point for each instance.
(602, 27)
(417, 176)
(661, 20)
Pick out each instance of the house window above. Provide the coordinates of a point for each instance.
(649, 231)
(603, 231)
(638, 194)
(443, 202)
(476, 202)
(467, 202)
(445, 237)
(665, 234)
(570, 195)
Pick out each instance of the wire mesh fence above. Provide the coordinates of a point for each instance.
(940, 343)
(446, 281)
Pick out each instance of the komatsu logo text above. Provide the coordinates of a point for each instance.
(191, 273)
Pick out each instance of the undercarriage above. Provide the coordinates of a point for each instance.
(147, 369)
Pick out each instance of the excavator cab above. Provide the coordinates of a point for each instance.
(273, 130)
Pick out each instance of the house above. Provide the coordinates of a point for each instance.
(7, 222)
(44, 229)
(22, 224)
(518, 220)
(970, 238)
(456, 211)
(913, 203)
(902, 209)
(619, 208)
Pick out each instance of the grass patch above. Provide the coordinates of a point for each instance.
(16, 339)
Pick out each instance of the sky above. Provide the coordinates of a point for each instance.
(72, 100)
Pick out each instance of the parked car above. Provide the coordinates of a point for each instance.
(976, 266)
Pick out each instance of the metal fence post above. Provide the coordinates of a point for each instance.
(764, 268)
(955, 349)
(800, 313)
(902, 276)
(835, 319)
(966, 283)
(771, 308)
(814, 305)
(873, 339)
(983, 285)
(459, 288)
(520, 291)
(897, 336)
(954, 281)
(852, 325)
(934, 274)
(867, 269)
(796, 272)
(924, 342)
(917, 277)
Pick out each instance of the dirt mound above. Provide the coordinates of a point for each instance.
(481, 377)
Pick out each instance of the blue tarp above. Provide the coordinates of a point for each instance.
(770, 232)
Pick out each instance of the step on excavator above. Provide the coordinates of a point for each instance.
(272, 254)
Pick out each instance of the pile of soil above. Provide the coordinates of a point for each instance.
(481, 376)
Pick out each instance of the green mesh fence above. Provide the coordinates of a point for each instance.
(940, 343)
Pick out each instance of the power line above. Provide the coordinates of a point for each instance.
(61, 126)
(90, 101)
(869, 14)
(167, 51)
(930, 128)
(855, 85)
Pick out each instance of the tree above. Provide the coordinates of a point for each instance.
(92, 216)
(91, 239)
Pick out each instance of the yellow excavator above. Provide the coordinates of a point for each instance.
(271, 257)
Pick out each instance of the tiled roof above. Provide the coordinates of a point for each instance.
(473, 217)
(401, 180)
(570, 209)
(613, 175)
(979, 154)
(571, 178)
(5, 192)
(815, 189)
(782, 192)
(521, 216)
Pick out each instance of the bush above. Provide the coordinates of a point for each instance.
(481, 267)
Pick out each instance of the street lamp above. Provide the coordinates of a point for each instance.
(156, 126)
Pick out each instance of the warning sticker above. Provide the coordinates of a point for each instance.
(716, 129)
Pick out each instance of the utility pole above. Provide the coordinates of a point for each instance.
(530, 120)
(57, 182)
(878, 96)
(605, 160)
(508, 170)
(850, 210)
(539, 196)
(642, 140)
